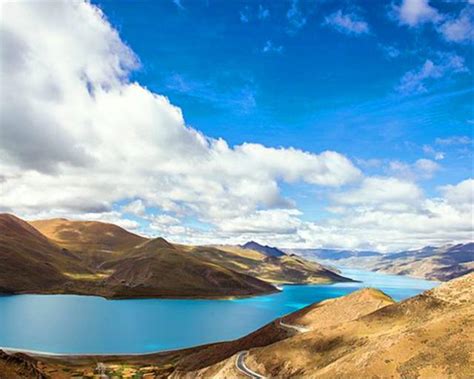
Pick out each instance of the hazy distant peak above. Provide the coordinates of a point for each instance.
(264, 249)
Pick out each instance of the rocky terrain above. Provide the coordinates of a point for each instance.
(95, 258)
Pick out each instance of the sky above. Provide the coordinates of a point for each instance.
(335, 124)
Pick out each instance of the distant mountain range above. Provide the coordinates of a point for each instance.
(333, 254)
(95, 258)
(431, 262)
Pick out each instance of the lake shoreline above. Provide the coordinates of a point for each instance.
(75, 326)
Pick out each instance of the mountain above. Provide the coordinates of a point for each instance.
(267, 250)
(438, 263)
(431, 262)
(333, 254)
(94, 241)
(158, 268)
(430, 335)
(31, 262)
(363, 334)
(282, 269)
(96, 258)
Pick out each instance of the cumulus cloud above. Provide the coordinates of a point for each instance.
(381, 191)
(348, 23)
(77, 138)
(461, 194)
(421, 169)
(459, 29)
(77, 135)
(416, 12)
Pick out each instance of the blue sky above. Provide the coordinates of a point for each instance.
(317, 88)
(294, 123)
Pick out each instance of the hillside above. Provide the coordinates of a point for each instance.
(94, 241)
(157, 264)
(79, 259)
(431, 262)
(439, 263)
(96, 258)
(31, 262)
(429, 335)
(264, 249)
(284, 269)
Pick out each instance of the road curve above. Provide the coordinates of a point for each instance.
(240, 365)
(298, 328)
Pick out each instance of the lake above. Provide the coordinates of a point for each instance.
(73, 324)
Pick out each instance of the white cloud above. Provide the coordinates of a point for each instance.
(416, 81)
(416, 12)
(460, 29)
(454, 140)
(437, 155)
(271, 48)
(348, 23)
(274, 221)
(461, 194)
(135, 207)
(421, 169)
(76, 136)
(381, 191)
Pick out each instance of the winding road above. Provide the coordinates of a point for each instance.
(240, 359)
(240, 364)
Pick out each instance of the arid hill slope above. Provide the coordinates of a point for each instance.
(283, 269)
(96, 258)
(94, 241)
(31, 262)
(132, 266)
(429, 336)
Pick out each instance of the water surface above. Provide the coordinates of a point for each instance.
(87, 324)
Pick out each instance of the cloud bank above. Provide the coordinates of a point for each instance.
(79, 139)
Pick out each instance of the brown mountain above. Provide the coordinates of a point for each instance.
(95, 258)
(30, 262)
(282, 269)
(428, 336)
(94, 241)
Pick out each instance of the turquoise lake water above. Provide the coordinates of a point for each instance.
(72, 324)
